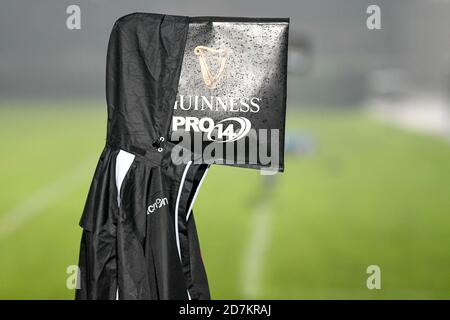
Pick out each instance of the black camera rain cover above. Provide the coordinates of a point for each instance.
(231, 102)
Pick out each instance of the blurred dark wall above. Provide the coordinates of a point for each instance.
(40, 58)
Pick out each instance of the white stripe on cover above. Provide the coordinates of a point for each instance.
(180, 189)
(123, 163)
(196, 193)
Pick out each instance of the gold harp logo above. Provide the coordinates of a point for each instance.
(206, 56)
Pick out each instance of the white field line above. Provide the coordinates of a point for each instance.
(34, 204)
(254, 255)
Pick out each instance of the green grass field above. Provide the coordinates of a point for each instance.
(370, 194)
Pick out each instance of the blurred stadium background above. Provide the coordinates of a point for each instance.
(367, 178)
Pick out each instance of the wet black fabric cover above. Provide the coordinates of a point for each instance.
(143, 67)
(123, 249)
(228, 62)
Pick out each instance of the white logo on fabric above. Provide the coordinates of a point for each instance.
(230, 134)
(226, 130)
(157, 204)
